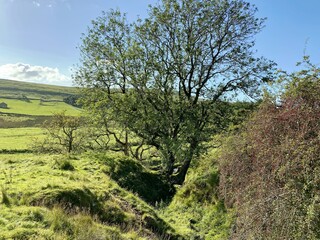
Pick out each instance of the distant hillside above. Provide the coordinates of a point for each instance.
(16, 89)
(24, 104)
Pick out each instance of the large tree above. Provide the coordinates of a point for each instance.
(165, 77)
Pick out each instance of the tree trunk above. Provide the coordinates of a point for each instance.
(70, 143)
(180, 177)
(170, 166)
(126, 149)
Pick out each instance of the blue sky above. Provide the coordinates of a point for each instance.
(39, 38)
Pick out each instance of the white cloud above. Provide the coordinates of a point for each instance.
(32, 73)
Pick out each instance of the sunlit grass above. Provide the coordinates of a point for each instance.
(38, 190)
(19, 138)
(36, 107)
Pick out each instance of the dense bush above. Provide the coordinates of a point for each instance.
(271, 171)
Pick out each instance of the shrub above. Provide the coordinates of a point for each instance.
(271, 171)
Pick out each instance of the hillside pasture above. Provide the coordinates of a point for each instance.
(17, 89)
(19, 138)
(38, 107)
(20, 121)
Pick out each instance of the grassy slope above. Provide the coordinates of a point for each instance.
(40, 200)
(37, 186)
(30, 104)
(37, 108)
(9, 88)
(196, 211)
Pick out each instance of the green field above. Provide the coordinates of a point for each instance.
(19, 138)
(30, 105)
(37, 107)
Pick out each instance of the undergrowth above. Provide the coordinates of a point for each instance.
(196, 211)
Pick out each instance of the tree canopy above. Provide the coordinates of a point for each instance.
(165, 78)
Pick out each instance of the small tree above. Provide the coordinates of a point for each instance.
(63, 130)
(164, 78)
(107, 131)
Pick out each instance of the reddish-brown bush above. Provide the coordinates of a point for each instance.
(271, 171)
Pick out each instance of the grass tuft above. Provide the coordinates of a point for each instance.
(5, 198)
(64, 164)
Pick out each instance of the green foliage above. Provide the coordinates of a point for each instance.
(164, 78)
(73, 100)
(63, 133)
(238, 113)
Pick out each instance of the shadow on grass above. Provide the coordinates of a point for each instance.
(131, 175)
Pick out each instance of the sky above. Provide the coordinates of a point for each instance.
(39, 38)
